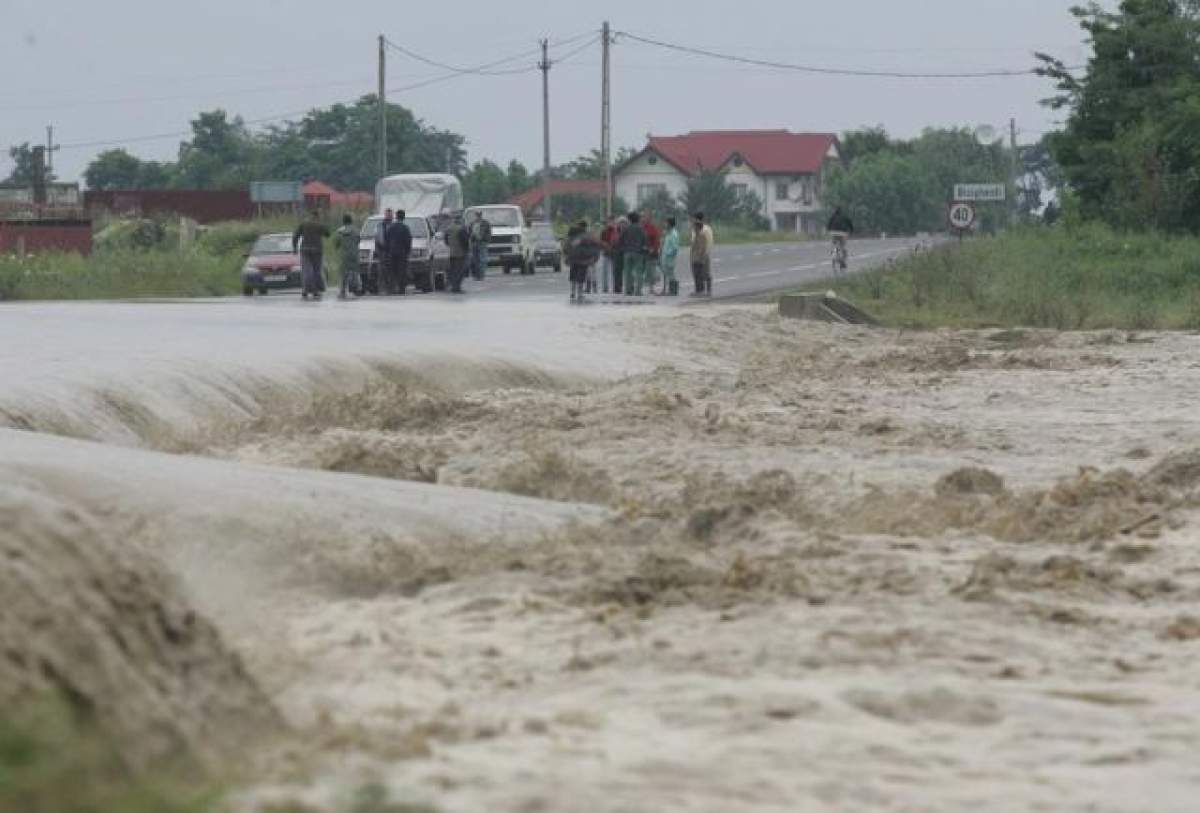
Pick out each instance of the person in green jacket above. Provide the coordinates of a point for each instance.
(346, 239)
(670, 252)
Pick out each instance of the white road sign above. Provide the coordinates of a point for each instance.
(980, 192)
(962, 216)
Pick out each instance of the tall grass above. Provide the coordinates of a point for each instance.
(1069, 279)
(120, 274)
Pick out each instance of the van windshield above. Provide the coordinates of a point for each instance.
(505, 218)
(416, 225)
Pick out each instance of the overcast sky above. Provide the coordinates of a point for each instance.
(126, 69)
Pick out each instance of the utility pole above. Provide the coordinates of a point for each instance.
(544, 66)
(383, 145)
(1015, 208)
(606, 120)
(51, 148)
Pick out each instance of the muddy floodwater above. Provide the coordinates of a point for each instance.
(520, 557)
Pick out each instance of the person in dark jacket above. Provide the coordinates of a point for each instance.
(399, 246)
(309, 241)
(633, 252)
(458, 238)
(583, 250)
(383, 269)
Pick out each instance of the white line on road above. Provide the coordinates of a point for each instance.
(765, 274)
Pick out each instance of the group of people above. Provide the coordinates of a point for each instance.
(468, 253)
(631, 252)
(626, 257)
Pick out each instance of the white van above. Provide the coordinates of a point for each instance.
(511, 245)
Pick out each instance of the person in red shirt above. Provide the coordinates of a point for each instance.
(653, 235)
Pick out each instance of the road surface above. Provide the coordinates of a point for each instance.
(738, 271)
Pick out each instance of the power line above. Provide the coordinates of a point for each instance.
(294, 113)
(826, 71)
(485, 70)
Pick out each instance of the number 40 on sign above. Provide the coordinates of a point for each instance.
(962, 216)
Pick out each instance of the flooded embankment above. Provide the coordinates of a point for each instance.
(652, 560)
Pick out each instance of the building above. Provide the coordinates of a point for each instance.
(320, 195)
(786, 170)
(202, 205)
(531, 202)
(57, 223)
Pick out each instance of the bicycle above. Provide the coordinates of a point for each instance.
(839, 255)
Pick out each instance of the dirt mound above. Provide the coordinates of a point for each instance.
(91, 617)
(970, 480)
(1179, 471)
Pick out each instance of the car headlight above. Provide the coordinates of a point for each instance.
(297, 269)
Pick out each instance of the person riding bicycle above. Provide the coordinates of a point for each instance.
(840, 227)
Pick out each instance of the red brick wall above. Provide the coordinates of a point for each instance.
(46, 235)
(202, 205)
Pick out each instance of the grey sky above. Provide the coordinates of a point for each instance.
(130, 68)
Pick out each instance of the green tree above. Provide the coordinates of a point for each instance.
(887, 192)
(1127, 151)
(866, 141)
(22, 158)
(519, 180)
(340, 145)
(220, 155)
(113, 169)
(710, 192)
(486, 183)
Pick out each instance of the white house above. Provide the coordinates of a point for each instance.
(786, 170)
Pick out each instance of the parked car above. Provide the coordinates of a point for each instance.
(509, 247)
(420, 266)
(545, 249)
(271, 265)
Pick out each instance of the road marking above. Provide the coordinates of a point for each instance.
(765, 274)
(758, 254)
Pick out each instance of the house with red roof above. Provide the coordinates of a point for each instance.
(531, 201)
(786, 170)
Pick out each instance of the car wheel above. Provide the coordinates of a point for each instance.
(262, 291)
(508, 269)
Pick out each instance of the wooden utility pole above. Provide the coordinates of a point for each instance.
(544, 66)
(383, 145)
(1015, 207)
(606, 120)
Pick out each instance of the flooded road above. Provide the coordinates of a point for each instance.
(501, 556)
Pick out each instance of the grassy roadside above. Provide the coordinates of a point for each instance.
(52, 763)
(1088, 277)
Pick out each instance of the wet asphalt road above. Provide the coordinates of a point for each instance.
(739, 271)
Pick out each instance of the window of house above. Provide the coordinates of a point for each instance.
(652, 160)
(807, 190)
(645, 191)
(740, 188)
(781, 190)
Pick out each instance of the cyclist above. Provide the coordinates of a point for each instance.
(840, 228)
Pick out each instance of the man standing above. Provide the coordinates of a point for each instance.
(670, 251)
(619, 257)
(383, 268)
(702, 248)
(309, 240)
(399, 247)
(346, 239)
(458, 239)
(633, 253)
(608, 236)
(481, 238)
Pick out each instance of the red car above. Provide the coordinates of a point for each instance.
(271, 265)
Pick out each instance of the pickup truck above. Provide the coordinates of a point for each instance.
(511, 244)
(420, 262)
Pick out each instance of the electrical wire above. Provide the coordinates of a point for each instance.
(826, 71)
(576, 51)
(294, 113)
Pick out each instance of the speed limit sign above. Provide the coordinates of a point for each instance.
(962, 216)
